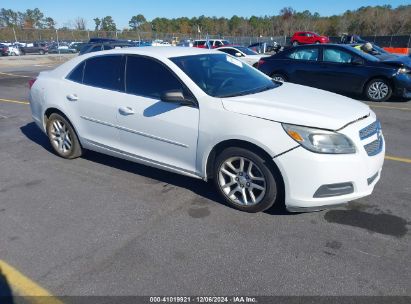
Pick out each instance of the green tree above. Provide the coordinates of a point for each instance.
(97, 21)
(33, 18)
(49, 23)
(107, 24)
(137, 21)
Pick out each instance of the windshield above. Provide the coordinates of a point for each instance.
(246, 51)
(221, 75)
(365, 55)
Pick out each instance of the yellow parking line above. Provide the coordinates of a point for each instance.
(14, 101)
(26, 287)
(400, 159)
(389, 107)
(15, 75)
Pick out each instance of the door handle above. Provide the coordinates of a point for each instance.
(72, 97)
(126, 111)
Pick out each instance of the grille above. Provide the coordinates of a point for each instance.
(370, 130)
(375, 147)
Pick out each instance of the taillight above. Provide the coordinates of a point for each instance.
(31, 82)
(260, 62)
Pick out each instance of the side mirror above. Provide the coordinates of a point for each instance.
(176, 96)
(238, 54)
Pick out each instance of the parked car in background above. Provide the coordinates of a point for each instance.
(211, 43)
(77, 46)
(308, 38)
(37, 48)
(95, 47)
(4, 50)
(340, 68)
(265, 47)
(209, 116)
(62, 50)
(14, 50)
(351, 38)
(185, 43)
(243, 53)
(9, 50)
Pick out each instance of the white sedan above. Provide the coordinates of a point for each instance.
(208, 115)
(244, 54)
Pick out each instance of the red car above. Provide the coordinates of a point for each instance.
(308, 38)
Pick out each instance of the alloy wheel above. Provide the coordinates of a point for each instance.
(242, 181)
(60, 137)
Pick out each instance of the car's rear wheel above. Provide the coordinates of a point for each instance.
(245, 180)
(317, 42)
(62, 137)
(278, 77)
(378, 90)
(41, 52)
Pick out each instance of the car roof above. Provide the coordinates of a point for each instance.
(150, 51)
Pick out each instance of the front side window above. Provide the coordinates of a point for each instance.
(220, 75)
(310, 54)
(337, 56)
(147, 77)
(105, 72)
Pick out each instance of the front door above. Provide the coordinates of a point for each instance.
(150, 128)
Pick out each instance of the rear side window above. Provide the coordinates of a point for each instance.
(147, 77)
(105, 72)
(76, 74)
(310, 54)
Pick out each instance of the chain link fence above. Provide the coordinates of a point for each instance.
(31, 35)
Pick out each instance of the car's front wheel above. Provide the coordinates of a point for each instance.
(378, 90)
(62, 137)
(295, 43)
(245, 180)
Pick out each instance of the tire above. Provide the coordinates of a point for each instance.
(41, 52)
(278, 77)
(378, 90)
(62, 137)
(317, 42)
(236, 185)
(295, 43)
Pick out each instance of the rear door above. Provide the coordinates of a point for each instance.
(94, 91)
(303, 65)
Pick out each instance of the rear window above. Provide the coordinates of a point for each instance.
(105, 72)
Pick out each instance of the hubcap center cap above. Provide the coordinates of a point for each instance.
(242, 180)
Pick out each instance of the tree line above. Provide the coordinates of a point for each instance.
(367, 20)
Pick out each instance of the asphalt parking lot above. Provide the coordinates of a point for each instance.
(104, 226)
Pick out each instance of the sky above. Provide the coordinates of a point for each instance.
(122, 10)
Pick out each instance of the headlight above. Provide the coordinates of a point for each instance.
(404, 71)
(320, 141)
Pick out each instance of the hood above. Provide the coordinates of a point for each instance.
(299, 105)
(396, 60)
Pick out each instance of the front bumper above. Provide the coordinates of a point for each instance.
(402, 84)
(306, 174)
